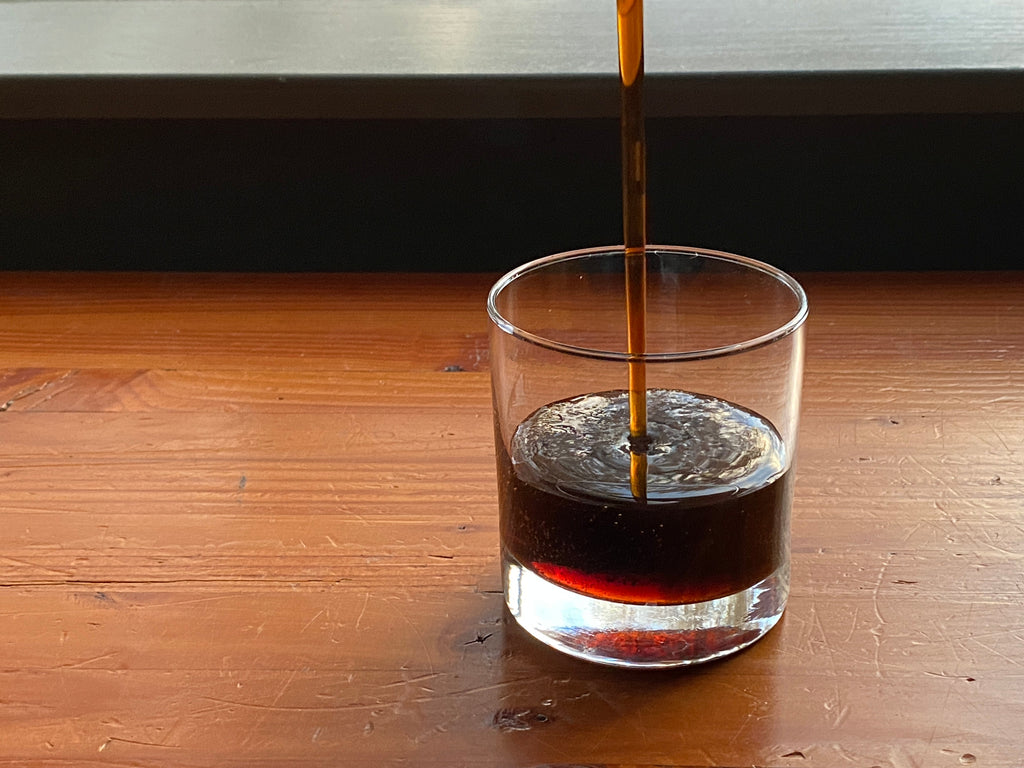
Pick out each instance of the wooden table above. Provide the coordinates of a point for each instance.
(251, 521)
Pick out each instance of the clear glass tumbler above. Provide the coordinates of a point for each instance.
(670, 547)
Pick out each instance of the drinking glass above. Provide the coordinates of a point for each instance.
(670, 546)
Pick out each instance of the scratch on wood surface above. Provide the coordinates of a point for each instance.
(412, 625)
(837, 712)
(910, 533)
(477, 689)
(738, 691)
(742, 729)
(956, 645)
(432, 731)
(876, 631)
(355, 706)
(942, 710)
(315, 617)
(835, 702)
(942, 481)
(118, 740)
(995, 432)
(999, 654)
(947, 675)
(833, 705)
(359, 618)
(36, 566)
(418, 679)
(136, 603)
(34, 389)
(275, 706)
(171, 730)
(876, 589)
(285, 686)
(227, 581)
(83, 662)
(900, 759)
(257, 728)
(854, 623)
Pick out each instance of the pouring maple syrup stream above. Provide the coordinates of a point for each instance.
(634, 217)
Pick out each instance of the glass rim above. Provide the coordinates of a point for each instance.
(790, 326)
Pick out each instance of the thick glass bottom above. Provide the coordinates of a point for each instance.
(653, 636)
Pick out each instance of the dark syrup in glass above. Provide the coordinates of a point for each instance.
(714, 520)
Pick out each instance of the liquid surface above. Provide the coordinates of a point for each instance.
(715, 517)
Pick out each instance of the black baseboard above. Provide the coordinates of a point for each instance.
(804, 193)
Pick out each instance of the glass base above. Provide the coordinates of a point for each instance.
(652, 636)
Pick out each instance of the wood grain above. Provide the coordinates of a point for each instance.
(250, 520)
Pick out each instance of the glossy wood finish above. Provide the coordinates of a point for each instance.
(495, 58)
(250, 521)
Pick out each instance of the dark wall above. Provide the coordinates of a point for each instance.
(908, 192)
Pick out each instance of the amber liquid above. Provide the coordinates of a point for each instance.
(715, 520)
(634, 220)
